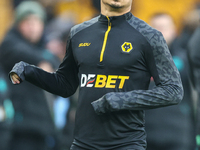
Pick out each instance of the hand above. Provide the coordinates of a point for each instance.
(100, 106)
(110, 102)
(15, 78)
(17, 72)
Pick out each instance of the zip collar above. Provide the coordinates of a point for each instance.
(126, 16)
(110, 21)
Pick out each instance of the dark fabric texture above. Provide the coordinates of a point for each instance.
(115, 80)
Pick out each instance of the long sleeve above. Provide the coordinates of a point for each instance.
(63, 82)
(168, 90)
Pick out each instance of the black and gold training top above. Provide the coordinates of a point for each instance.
(112, 60)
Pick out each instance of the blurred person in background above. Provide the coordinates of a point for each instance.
(190, 23)
(83, 10)
(174, 123)
(17, 2)
(48, 5)
(56, 34)
(33, 127)
(194, 58)
(96, 4)
(6, 111)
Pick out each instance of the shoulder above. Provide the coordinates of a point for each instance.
(152, 36)
(82, 26)
(145, 29)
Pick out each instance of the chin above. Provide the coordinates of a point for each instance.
(116, 5)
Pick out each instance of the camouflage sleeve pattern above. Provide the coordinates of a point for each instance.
(169, 90)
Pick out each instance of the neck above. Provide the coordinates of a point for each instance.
(109, 11)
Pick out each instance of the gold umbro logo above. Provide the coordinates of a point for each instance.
(84, 44)
(127, 47)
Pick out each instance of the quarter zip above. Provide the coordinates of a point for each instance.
(105, 39)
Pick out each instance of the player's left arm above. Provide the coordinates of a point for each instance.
(168, 90)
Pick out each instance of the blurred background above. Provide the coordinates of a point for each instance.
(170, 128)
(83, 10)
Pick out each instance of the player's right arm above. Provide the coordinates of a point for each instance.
(63, 82)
